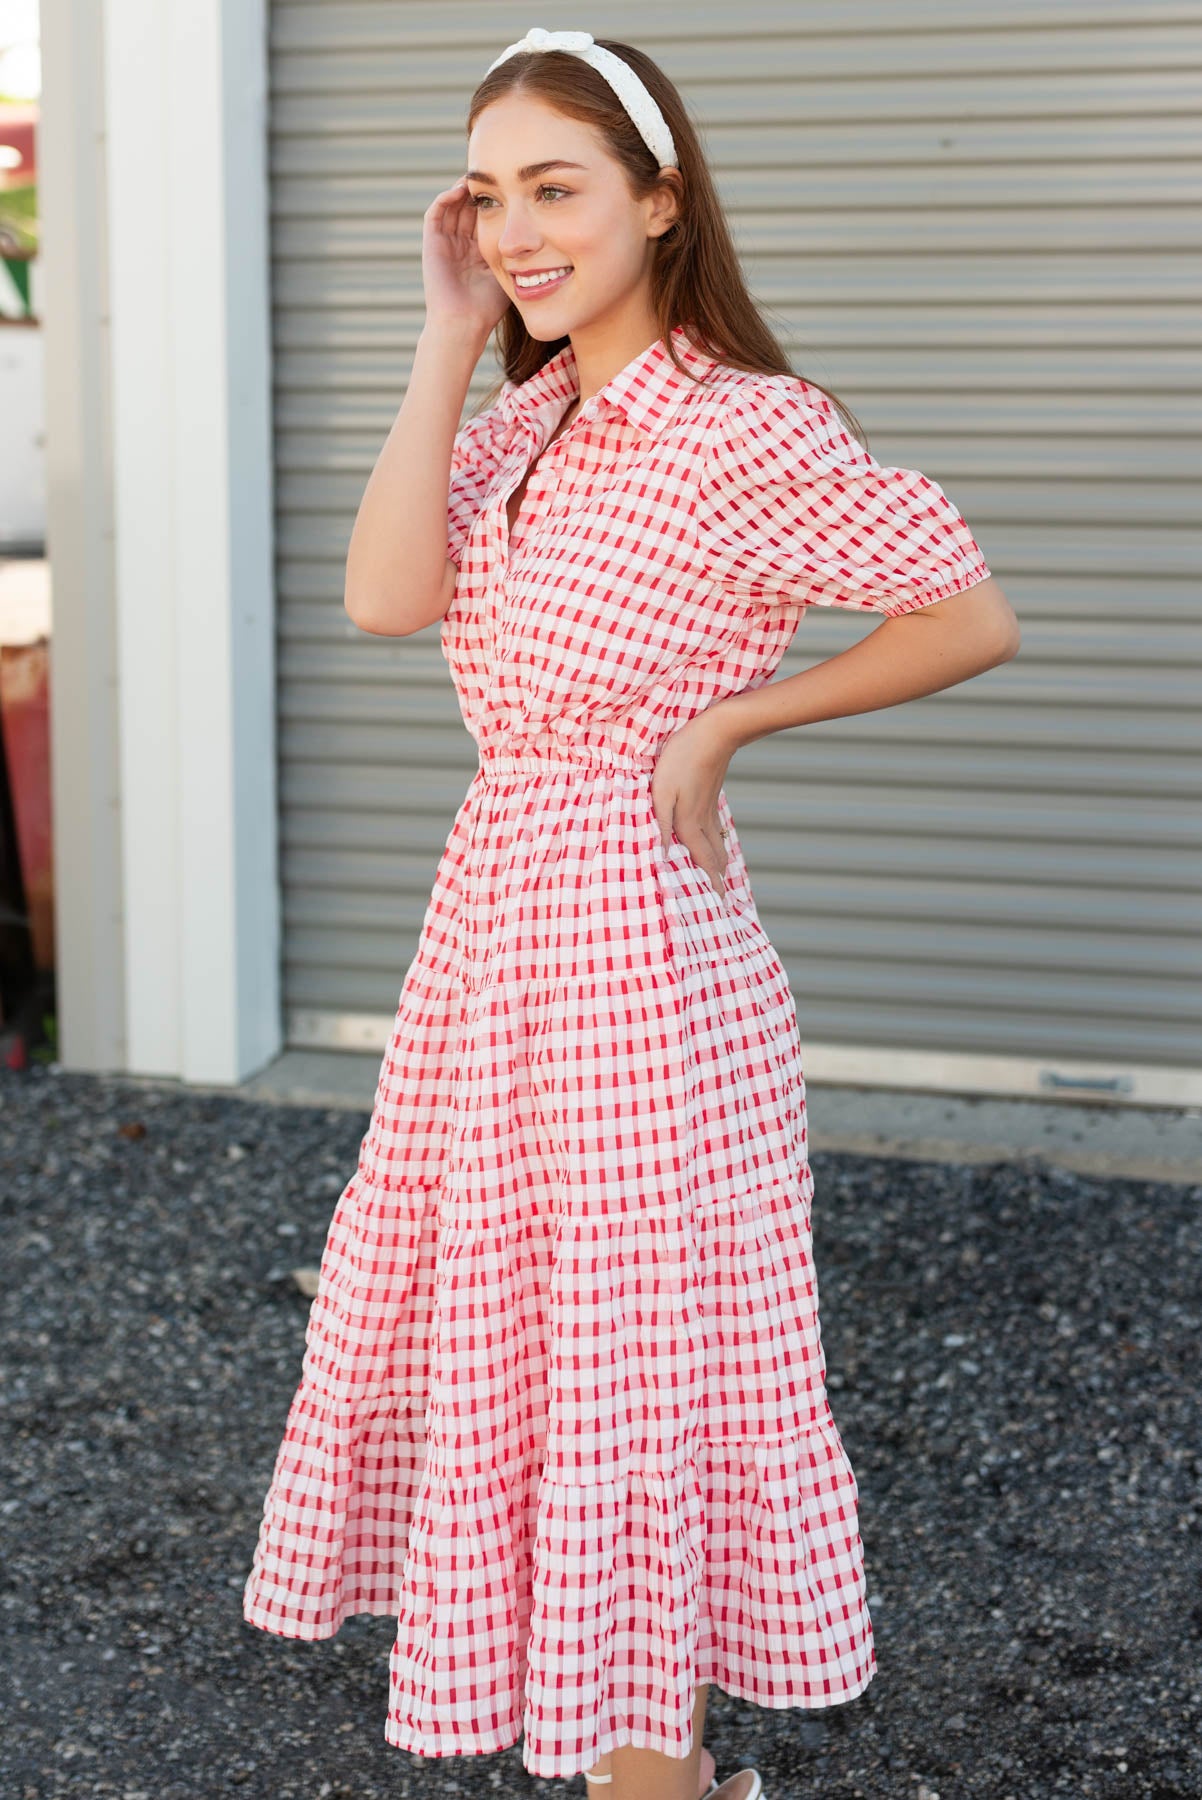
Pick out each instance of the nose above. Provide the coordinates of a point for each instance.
(519, 233)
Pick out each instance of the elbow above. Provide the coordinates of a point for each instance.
(375, 627)
(351, 608)
(357, 612)
(1010, 644)
(996, 648)
(388, 603)
(390, 615)
(1012, 636)
(1008, 634)
(372, 616)
(357, 602)
(369, 599)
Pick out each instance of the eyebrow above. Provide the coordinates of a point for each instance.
(526, 174)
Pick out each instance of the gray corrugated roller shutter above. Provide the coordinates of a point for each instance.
(981, 228)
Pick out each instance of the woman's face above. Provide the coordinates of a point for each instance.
(577, 215)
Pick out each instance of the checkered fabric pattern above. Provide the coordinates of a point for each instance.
(562, 1411)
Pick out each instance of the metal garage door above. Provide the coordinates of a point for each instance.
(981, 228)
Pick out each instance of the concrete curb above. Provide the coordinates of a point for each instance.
(1102, 1138)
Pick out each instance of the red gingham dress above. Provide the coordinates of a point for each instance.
(563, 1409)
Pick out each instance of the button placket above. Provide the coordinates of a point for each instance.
(513, 471)
(550, 478)
(509, 713)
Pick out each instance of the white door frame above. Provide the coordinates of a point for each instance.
(159, 446)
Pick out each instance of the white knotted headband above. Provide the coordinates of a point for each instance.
(650, 121)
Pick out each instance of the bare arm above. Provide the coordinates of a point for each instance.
(399, 578)
(920, 652)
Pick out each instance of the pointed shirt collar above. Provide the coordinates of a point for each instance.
(647, 391)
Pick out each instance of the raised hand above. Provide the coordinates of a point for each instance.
(460, 288)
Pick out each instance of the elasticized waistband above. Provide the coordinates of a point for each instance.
(501, 765)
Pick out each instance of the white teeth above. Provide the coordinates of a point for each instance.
(540, 280)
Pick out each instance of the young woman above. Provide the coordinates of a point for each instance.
(563, 1409)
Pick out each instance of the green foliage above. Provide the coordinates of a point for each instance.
(19, 221)
(47, 1052)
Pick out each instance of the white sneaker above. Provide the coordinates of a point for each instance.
(745, 1785)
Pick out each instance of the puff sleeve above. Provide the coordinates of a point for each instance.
(479, 446)
(793, 510)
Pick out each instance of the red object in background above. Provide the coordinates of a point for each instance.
(18, 131)
(25, 719)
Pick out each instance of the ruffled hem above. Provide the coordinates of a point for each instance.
(480, 1743)
(335, 1527)
(575, 1618)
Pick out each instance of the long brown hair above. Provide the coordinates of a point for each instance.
(697, 280)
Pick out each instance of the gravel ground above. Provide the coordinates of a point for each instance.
(1012, 1355)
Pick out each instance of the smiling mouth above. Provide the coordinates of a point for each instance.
(549, 278)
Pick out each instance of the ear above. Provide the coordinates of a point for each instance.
(664, 204)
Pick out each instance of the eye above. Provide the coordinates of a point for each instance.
(479, 201)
